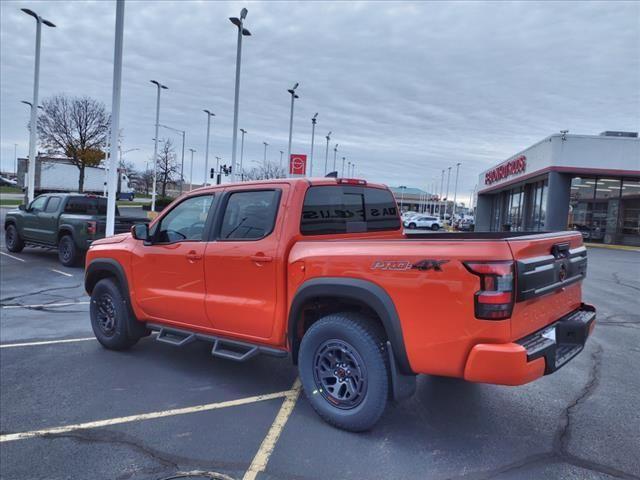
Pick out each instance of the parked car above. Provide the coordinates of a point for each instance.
(319, 270)
(68, 222)
(423, 221)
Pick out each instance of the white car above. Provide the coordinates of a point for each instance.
(423, 221)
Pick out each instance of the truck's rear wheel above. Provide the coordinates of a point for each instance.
(344, 372)
(110, 316)
(68, 252)
(12, 238)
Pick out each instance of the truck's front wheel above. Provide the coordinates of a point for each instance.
(110, 316)
(344, 372)
(12, 238)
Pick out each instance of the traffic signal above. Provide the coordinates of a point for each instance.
(212, 173)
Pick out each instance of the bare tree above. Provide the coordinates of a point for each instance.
(146, 180)
(265, 172)
(76, 127)
(167, 166)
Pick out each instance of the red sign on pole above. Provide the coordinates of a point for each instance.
(297, 164)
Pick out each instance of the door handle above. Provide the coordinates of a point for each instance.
(261, 258)
(192, 256)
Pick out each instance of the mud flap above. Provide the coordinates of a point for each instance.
(403, 386)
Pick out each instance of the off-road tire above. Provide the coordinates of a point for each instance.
(111, 317)
(365, 340)
(68, 252)
(12, 239)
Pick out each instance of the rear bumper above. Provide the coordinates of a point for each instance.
(533, 356)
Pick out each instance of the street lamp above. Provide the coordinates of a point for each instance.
(238, 22)
(292, 91)
(206, 149)
(446, 203)
(441, 196)
(155, 144)
(264, 160)
(281, 154)
(353, 169)
(335, 154)
(242, 153)
(402, 189)
(183, 132)
(217, 170)
(343, 159)
(31, 170)
(191, 169)
(326, 153)
(314, 119)
(455, 189)
(349, 169)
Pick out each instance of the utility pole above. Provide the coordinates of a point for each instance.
(314, 119)
(455, 189)
(238, 22)
(112, 183)
(191, 170)
(31, 168)
(326, 154)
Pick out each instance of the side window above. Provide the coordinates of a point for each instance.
(185, 222)
(38, 203)
(52, 206)
(250, 215)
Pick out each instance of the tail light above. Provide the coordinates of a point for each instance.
(494, 300)
(92, 228)
(351, 181)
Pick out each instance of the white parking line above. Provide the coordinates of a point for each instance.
(11, 256)
(259, 463)
(45, 342)
(46, 305)
(10, 437)
(61, 273)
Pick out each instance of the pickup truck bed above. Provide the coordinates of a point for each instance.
(321, 270)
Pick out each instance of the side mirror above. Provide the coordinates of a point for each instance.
(22, 207)
(140, 231)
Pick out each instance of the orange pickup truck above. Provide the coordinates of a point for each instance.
(319, 270)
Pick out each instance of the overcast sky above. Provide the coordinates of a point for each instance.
(408, 88)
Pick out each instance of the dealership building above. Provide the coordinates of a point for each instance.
(589, 183)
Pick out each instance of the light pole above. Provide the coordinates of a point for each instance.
(349, 169)
(217, 170)
(206, 148)
(242, 154)
(314, 119)
(446, 204)
(455, 189)
(31, 169)
(402, 188)
(343, 159)
(264, 159)
(238, 22)
(112, 181)
(326, 153)
(292, 91)
(155, 144)
(281, 154)
(353, 168)
(183, 133)
(191, 170)
(15, 159)
(335, 154)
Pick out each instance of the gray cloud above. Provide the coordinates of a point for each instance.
(408, 88)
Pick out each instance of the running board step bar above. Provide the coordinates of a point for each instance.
(222, 347)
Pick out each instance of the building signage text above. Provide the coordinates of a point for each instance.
(512, 167)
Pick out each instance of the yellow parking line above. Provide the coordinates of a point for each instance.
(144, 416)
(45, 342)
(259, 463)
(11, 256)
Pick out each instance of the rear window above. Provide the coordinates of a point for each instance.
(335, 209)
(87, 206)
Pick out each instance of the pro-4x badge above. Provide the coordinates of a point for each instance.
(402, 265)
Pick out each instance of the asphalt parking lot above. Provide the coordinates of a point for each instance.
(71, 409)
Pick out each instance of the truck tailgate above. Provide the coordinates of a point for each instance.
(549, 271)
